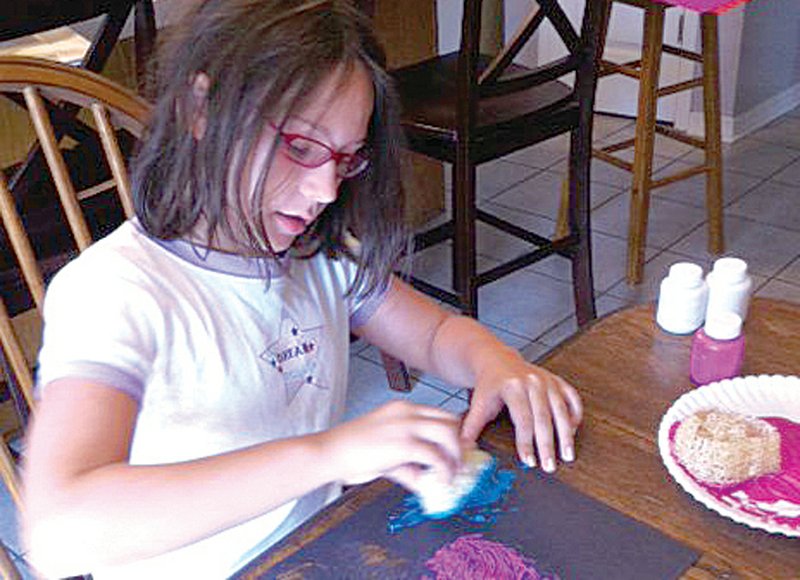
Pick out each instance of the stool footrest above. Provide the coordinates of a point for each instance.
(679, 176)
(434, 236)
(564, 246)
(620, 146)
(679, 87)
(512, 229)
(682, 53)
(613, 159)
(680, 136)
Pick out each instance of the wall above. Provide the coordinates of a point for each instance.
(448, 18)
(731, 26)
(770, 52)
(759, 67)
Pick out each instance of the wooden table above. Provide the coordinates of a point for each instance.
(629, 372)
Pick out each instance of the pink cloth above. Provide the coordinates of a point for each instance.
(712, 6)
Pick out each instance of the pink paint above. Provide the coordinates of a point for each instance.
(764, 497)
(712, 6)
(471, 556)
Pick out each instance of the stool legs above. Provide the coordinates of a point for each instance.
(645, 140)
(465, 264)
(713, 132)
(579, 223)
(647, 71)
(580, 177)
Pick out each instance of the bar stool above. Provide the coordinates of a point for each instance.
(647, 70)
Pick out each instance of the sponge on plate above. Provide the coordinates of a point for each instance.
(440, 500)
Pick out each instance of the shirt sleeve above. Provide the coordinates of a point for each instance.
(366, 307)
(95, 328)
(361, 305)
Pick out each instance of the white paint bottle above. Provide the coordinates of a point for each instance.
(682, 299)
(729, 287)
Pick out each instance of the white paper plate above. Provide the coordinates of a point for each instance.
(760, 396)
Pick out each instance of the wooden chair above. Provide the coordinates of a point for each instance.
(114, 115)
(8, 570)
(26, 17)
(467, 108)
(646, 70)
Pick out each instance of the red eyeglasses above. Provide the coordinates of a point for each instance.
(310, 153)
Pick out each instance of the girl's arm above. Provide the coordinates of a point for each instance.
(543, 406)
(86, 507)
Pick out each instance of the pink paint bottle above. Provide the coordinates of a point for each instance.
(717, 349)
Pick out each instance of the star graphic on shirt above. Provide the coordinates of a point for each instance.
(295, 355)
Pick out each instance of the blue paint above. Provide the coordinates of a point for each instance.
(524, 466)
(479, 506)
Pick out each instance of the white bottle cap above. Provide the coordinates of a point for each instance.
(687, 274)
(731, 270)
(723, 325)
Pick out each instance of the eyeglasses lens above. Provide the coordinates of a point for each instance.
(310, 153)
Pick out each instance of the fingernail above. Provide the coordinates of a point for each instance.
(569, 454)
(549, 465)
(529, 461)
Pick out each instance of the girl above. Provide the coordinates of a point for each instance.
(193, 372)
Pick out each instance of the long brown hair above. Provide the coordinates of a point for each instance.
(265, 59)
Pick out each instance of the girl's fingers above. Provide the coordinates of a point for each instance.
(519, 408)
(544, 409)
(481, 411)
(574, 403)
(442, 434)
(543, 429)
(564, 427)
(430, 456)
(433, 436)
(406, 475)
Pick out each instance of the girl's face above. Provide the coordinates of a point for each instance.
(294, 195)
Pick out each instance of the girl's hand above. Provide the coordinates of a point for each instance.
(536, 399)
(398, 440)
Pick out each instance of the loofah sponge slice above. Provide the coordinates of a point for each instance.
(439, 500)
(721, 448)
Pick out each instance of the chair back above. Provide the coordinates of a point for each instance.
(103, 112)
(485, 76)
(467, 108)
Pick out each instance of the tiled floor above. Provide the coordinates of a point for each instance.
(532, 309)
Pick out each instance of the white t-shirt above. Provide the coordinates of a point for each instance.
(220, 354)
